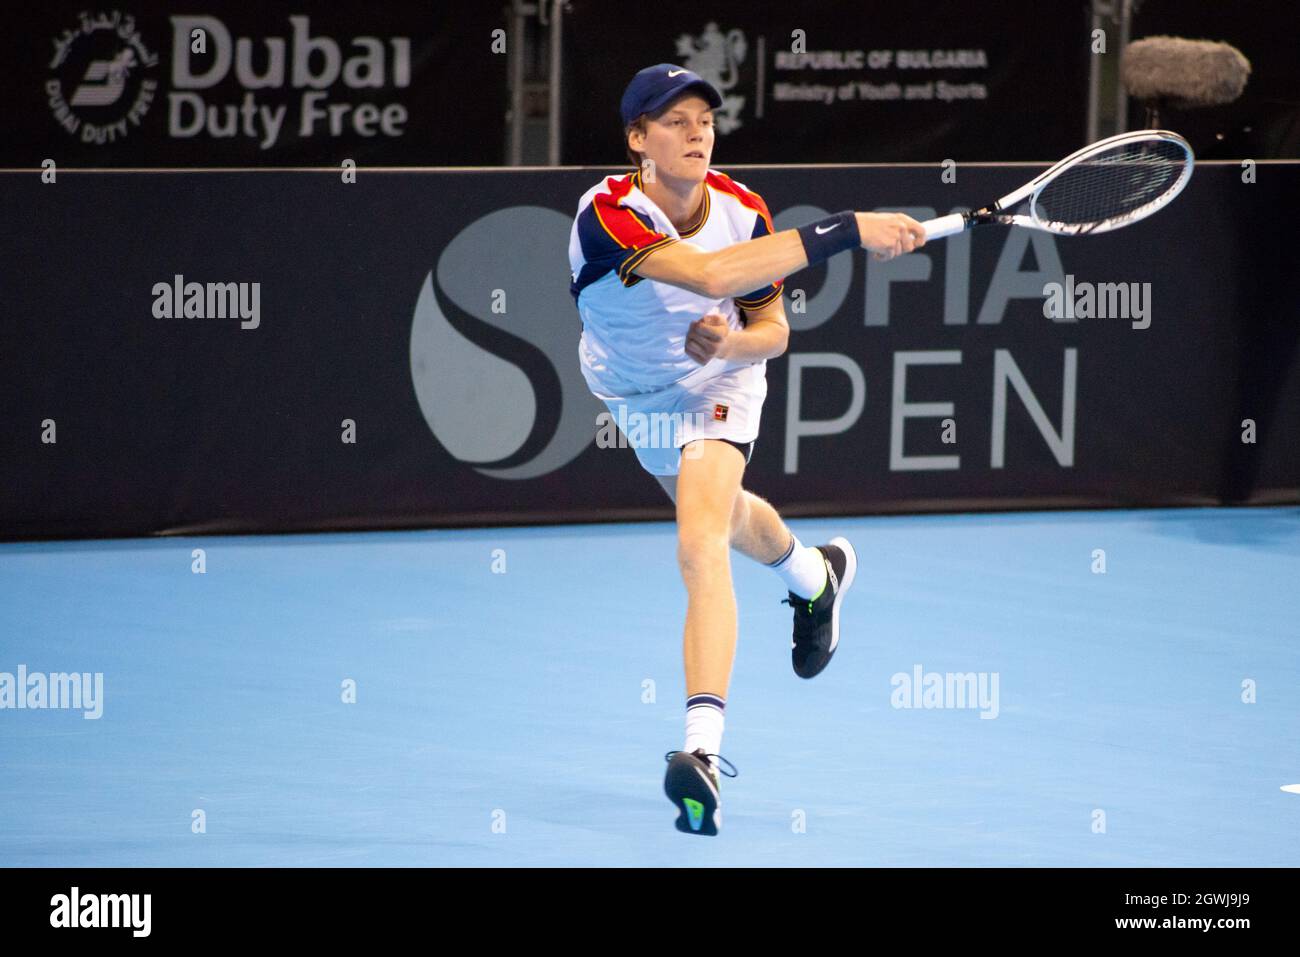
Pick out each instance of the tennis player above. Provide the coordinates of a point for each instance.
(677, 273)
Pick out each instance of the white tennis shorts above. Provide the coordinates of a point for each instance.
(658, 424)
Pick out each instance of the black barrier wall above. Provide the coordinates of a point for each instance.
(401, 351)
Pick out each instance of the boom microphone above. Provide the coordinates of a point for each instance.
(1184, 73)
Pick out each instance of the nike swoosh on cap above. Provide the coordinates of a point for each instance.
(676, 72)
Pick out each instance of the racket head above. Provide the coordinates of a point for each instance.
(1113, 183)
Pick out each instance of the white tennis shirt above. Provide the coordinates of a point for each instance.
(634, 330)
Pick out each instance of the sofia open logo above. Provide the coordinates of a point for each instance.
(511, 401)
(101, 86)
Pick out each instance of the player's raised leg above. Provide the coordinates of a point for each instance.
(816, 577)
(758, 532)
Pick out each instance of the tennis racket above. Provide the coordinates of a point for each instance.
(1112, 183)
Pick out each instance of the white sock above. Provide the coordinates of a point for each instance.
(704, 721)
(802, 568)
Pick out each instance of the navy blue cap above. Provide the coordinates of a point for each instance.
(658, 85)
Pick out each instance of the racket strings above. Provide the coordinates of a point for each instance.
(1111, 184)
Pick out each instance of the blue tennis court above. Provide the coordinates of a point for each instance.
(516, 689)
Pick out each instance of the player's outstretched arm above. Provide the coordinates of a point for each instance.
(750, 265)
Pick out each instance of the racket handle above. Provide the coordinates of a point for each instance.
(944, 226)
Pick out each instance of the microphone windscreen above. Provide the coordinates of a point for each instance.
(1184, 73)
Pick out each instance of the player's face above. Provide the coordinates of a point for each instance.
(680, 141)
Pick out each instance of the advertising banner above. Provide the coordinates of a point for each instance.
(152, 84)
(823, 82)
(274, 351)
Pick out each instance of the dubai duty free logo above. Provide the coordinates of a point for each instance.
(100, 85)
(511, 402)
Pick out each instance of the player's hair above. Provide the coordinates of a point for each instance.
(638, 124)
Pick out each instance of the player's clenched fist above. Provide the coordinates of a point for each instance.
(707, 338)
(889, 234)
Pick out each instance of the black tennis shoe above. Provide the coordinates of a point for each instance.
(691, 783)
(817, 622)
